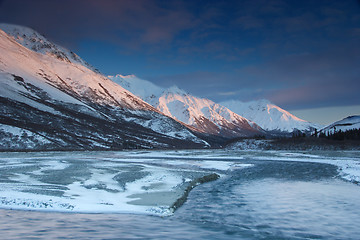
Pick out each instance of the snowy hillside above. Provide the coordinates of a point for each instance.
(38, 43)
(348, 123)
(202, 114)
(269, 116)
(52, 98)
(146, 90)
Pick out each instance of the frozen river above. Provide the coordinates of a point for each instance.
(128, 195)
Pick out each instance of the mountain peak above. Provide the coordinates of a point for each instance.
(348, 123)
(86, 110)
(28, 37)
(202, 115)
(36, 42)
(19, 30)
(264, 101)
(268, 115)
(175, 90)
(144, 89)
(130, 76)
(353, 117)
(349, 119)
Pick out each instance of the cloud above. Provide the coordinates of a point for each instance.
(317, 79)
(199, 83)
(231, 93)
(340, 59)
(302, 80)
(293, 52)
(136, 22)
(316, 95)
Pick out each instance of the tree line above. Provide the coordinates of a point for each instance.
(352, 134)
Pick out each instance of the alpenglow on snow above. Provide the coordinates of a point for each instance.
(203, 115)
(52, 99)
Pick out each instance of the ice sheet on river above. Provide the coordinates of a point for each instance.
(99, 182)
(348, 162)
(143, 182)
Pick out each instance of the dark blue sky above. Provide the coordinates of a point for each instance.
(298, 54)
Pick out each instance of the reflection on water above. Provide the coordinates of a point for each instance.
(45, 225)
(303, 209)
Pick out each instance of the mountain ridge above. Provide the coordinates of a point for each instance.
(261, 114)
(347, 123)
(68, 105)
(202, 114)
(269, 116)
(36, 42)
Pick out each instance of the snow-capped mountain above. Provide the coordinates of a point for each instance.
(269, 116)
(38, 43)
(202, 114)
(348, 123)
(146, 90)
(51, 99)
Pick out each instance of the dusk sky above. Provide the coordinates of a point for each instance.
(302, 55)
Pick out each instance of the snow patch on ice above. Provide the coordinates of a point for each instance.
(99, 190)
(348, 167)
